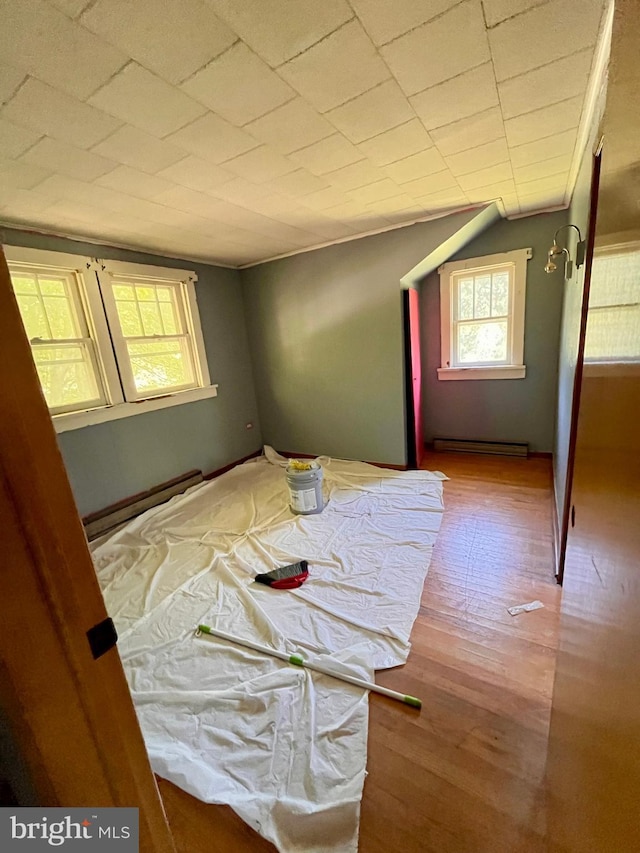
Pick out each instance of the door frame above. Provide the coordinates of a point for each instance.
(71, 715)
(577, 377)
(414, 443)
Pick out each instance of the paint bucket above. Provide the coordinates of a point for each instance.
(304, 479)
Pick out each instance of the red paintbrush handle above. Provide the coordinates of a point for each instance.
(288, 583)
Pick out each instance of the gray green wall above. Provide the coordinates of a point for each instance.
(500, 409)
(110, 461)
(325, 331)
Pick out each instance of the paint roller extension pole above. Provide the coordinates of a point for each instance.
(298, 660)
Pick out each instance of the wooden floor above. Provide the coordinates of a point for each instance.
(465, 774)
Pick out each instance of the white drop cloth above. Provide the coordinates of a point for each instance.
(286, 748)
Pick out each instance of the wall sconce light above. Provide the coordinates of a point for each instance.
(555, 251)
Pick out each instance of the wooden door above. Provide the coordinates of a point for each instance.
(71, 714)
(594, 745)
(413, 378)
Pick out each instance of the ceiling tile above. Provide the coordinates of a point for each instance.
(385, 21)
(213, 139)
(552, 184)
(189, 201)
(532, 171)
(327, 155)
(470, 93)
(396, 144)
(92, 220)
(323, 199)
(443, 200)
(242, 192)
(288, 28)
(480, 157)
(331, 229)
(469, 132)
(260, 164)
(133, 147)
(291, 126)
(436, 183)
(10, 79)
(251, 221)
(52, 113)
(171, 39)
(46, 43)
(542, 35)
(385, 188)
(540, 88)
(543, 149)
(493, 191)
(142, 99)
(397, 204)
(358, 215)
(425, 56)
(14, 140)
(544, 122)
(72, 8)
(355, 175)
(277, 207)
(15, 174)
(485, 177)
(496, 11)
(23, 206)
(537, 200)
(196, 174)
(63, 187)
(372, 113)
(340, 67)
(298, 183)
(132, 181)
(61, 157)
(511, 205)
(416, 166)
(239, 86)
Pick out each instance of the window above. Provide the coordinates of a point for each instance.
(482, 303)
(62, 345)
(109, 339)
(614, 305)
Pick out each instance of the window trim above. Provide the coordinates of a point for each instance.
(90, 292)
(516, 368)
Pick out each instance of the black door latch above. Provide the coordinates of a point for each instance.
(102, 637)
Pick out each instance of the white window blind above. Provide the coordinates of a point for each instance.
(614, 306)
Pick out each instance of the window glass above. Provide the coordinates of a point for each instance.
(62, 349)
(157, 345)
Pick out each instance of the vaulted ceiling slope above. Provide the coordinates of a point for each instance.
(234, 131)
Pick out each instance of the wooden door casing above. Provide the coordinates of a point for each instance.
(73, 715)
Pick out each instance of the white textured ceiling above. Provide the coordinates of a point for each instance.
(238, 130)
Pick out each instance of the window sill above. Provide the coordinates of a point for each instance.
(77, 420)
(513, 371)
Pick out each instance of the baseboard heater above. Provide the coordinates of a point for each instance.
(106, 519)
(495, 448)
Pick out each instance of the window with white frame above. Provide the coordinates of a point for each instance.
(482, 305)
(109, 339)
